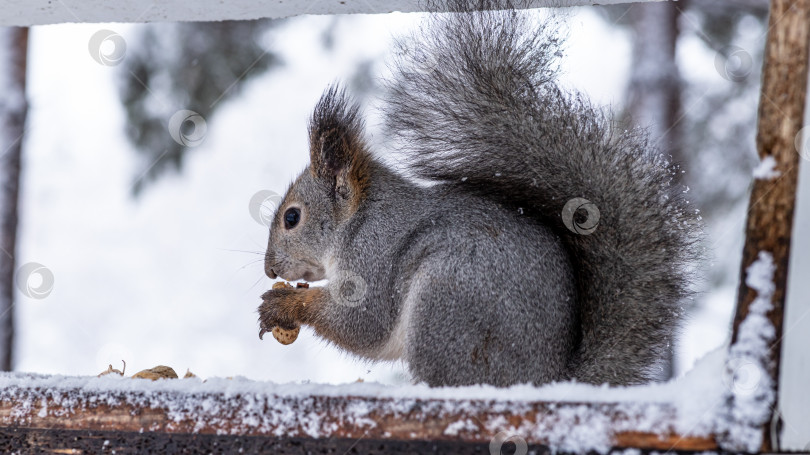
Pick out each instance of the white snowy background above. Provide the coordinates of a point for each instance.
(174, 277)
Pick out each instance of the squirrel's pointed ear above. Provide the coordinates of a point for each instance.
(338, 154)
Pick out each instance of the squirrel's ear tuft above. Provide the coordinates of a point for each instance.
(338, 152)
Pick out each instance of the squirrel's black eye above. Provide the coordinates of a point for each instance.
(291, 217)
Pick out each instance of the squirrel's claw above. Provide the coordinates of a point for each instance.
(275, 311)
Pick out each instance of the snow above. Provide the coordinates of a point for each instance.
(765, 170)
(688, 405)
(759, 277)
(35, 12)
(750, 392)
(459, 426)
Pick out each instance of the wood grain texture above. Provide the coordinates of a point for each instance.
(328, 418)
(771, 207)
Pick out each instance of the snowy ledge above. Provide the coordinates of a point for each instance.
(38, 12)
(679, 415)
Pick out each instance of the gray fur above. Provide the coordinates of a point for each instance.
(496, 288)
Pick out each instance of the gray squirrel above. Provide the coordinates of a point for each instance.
(548, 244)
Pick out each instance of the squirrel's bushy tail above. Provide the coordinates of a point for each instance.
(474, 103)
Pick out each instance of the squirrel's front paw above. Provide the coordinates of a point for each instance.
(277, 310)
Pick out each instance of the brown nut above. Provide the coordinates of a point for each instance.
(158, 372)
(285, 336)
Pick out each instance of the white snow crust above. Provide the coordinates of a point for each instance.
(245, 406)
(766, 169)
(750, 394)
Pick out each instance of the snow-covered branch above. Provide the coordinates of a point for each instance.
(37, 12)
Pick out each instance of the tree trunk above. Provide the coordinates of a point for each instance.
(654, 93)
(13, 108)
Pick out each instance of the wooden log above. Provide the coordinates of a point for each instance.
(38, 12)
(237, 413)
(771, 207)
(22, 440)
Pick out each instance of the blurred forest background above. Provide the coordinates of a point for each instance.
(140, 160)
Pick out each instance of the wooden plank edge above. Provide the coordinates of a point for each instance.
(627, 425)
(40, 12)
(24, 440)
(769, 224)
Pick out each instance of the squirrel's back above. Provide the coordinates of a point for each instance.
(474, 104)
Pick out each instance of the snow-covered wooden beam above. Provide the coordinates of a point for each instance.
(781, 141)
(109, 413)
(38, 12)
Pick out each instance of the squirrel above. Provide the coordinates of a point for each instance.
(528, 240)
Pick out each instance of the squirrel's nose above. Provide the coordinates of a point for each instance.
(270, 272)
